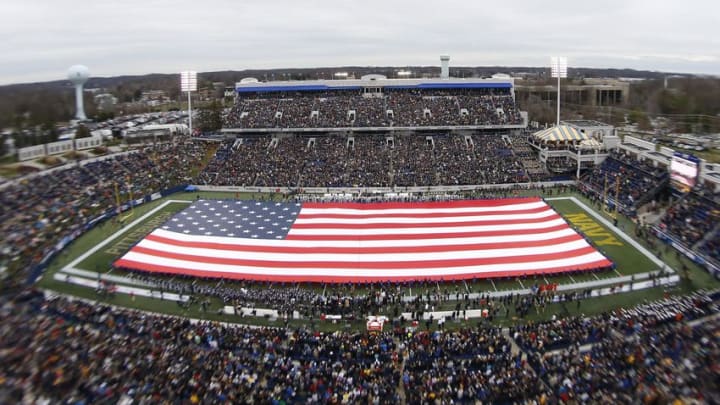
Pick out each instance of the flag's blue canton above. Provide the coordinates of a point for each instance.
(239, 219)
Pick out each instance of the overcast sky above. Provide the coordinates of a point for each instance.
(42, 38)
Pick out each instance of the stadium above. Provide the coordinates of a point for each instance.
(366, 240)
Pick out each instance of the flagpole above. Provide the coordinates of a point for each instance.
(558, 102)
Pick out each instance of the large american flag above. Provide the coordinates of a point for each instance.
(364, 242)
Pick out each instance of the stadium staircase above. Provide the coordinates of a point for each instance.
(391, 170)
(401, 386)
(514, 348)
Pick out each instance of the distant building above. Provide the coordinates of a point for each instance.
(596, 92)
(9, 142)
(154, 97)
(105, 101)
(156, 131)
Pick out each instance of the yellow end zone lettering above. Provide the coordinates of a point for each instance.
(121, 246)
(594, 230)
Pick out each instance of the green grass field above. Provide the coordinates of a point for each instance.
(628, 259)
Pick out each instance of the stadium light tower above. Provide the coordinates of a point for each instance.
(78, 75)
(188, 82)
(558, 68)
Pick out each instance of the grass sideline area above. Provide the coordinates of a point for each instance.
(629, 261)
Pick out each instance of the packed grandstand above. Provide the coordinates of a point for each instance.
(56, 349)
(374, 103)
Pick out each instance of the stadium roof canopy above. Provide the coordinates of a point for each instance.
(373, 81)
(562, 133)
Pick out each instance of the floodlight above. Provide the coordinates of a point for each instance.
(558, 68)
(188, 83)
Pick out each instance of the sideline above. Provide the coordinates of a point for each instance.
(119, 232)
(104, 276)
(435, 315)
(51, 294)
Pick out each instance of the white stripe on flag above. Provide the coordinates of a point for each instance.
(201, 253)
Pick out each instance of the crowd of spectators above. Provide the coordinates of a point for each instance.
(692, 218)
(370, 111)
(648, 354)
(295, 113)
(59, 350)
(466, 366)
(560, 164)
(236, 163)
(37, 213)
(711, 247)
(528, 157)
(365, 161)
(395, 108)
(414, 161)
(636, 179)
(56, 349)
(323, 159)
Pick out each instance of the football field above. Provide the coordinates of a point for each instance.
(79, 268)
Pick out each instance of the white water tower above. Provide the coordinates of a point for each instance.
(78, 75)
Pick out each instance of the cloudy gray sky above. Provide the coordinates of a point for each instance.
(42, 38)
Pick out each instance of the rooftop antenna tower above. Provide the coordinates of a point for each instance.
(444, 66)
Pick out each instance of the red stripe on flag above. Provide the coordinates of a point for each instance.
(352, 279)
(404, 264)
